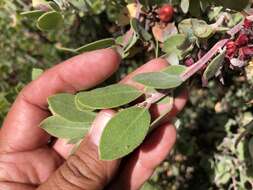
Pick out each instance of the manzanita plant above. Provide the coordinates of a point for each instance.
(198, 38)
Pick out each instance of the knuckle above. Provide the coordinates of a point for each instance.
(82, 172)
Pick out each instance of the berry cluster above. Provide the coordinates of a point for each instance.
(241, 49)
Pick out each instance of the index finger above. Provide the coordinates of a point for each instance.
(20, 131)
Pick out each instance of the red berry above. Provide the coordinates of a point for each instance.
(247, 23)
(242, 40)
(231, 49)
(166, 13)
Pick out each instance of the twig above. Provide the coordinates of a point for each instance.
(233, 31)
(201, 63)
(153, 98)
(219, 22)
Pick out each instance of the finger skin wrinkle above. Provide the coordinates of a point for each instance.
(10, 172)
(74, 163)
(70, 86)
(28, 101)
(16, 186)
(78, 174)
(66, 180)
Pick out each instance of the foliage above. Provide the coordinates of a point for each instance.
(205, 156)
(18, 40)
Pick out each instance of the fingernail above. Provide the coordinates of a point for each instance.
(99, 124)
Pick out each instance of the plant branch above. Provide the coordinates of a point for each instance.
(190, 71)
(233, 31)
(153, 98)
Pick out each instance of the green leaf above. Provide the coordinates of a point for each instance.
(134, 38)
(172, 58)
(185, 27)
(82, 107)
(65, 49)
(159, 80)
(62, 128)
(173, 44)
(235, 19)
(35, 14)
(108, 97)
(201, 29)
(64, 105)
(214, 13)
(36, 72)
(134, 25)
(139, 30)
(50, 20)
(168, 100)
(134, 31)
(214, 66)
(185, 4)
(100, 44)
(175, 69)
(124, 133)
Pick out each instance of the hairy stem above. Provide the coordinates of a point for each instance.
(190, 71)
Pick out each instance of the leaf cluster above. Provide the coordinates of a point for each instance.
(177, 46)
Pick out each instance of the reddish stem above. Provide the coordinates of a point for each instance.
(233, 31)
(154, 97)
(190, 71)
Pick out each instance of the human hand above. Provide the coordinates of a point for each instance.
(28, 161)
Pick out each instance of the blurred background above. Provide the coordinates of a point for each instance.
(205, 157)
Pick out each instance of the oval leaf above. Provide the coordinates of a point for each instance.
(108, 97)
(64, 105)
(175, 69)
(185, 4)
(214, 66)
(173, 44)
(159, 80)
(62, 128)
(49, 21)
(185, 27)
(82, 107)
(124, 132)
(201, 29)
(100, 44)
(130, 40)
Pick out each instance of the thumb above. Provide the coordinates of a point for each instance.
(83, 170)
